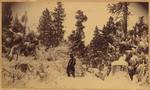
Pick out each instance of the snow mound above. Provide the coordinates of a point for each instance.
(121, 61)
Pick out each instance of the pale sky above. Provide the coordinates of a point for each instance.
(96, 12)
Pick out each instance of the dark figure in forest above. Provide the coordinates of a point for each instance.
(70, 67)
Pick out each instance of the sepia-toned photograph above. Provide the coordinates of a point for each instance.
(88, 45)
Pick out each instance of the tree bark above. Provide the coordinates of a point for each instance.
(125, 18)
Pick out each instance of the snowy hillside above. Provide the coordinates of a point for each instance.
(49, 71)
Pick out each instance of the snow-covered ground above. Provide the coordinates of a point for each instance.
(54, 76)
(42, 73)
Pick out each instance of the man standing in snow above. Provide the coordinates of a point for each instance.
(70, 67)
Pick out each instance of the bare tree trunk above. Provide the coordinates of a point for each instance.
(125, 18)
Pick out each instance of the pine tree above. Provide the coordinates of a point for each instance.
(110, 27)
(120, 9)
(109, 31)
(6, 16)
(77, 36)
(102, 43)
(59, 15)
(95, 41)
(72, 37)
(7, 19)
(17, 26)
(97, 48)
(99, 42)
(141, 27)
(45, 29)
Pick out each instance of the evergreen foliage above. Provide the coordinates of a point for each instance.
(77, 36)
(46, 29)
(59, 15)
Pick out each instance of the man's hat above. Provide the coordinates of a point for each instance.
(71, 54)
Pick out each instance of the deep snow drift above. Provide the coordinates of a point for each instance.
(49, 71)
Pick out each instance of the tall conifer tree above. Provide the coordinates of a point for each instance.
(45, 29)
(77, 36)
(59, 15)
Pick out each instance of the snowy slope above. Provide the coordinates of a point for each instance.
(43, 73)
